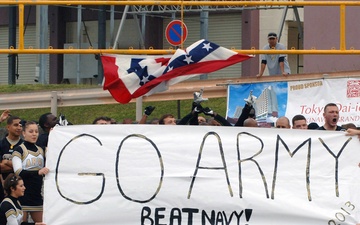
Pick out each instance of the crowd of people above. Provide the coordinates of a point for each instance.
(22, 169)
(23, 149)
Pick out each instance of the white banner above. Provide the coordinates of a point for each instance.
(308, 98)
(154, 174)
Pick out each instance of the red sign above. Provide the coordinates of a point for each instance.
(176, 32)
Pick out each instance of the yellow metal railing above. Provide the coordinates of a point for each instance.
(22, 50)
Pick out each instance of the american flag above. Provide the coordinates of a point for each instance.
(129, 76)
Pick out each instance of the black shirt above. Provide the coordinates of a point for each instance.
(337, 128)
(6, 206)
(6, 150)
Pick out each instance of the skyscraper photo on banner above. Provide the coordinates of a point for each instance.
(308, 98)
(270, 103)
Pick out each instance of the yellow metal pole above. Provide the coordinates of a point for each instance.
(342, 27)
(182, 3)
(166, 52)
(21, 26)
(186, 3)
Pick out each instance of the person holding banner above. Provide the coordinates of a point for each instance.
(202, 120)
(313, 126)
(28, 162)
(331, 116)
(299, 122)
(348, 126)
(250, 122)
(352, 132)
(167, 119)
(276, 64)
(283, 122)
(102, 120)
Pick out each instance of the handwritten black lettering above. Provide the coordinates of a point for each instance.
(118, 162)
(211, 168)
(78, 137)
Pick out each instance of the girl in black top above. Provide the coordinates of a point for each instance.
(10, 208)
(28, 162)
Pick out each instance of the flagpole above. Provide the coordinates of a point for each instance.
(139, 100)
(139, 103)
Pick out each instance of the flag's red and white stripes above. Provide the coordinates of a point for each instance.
(129, 76)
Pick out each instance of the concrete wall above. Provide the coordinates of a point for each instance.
(322, 31)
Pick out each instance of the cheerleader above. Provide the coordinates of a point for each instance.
(28, 162)
(10, 208)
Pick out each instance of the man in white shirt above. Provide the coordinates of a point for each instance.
(276, 64)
